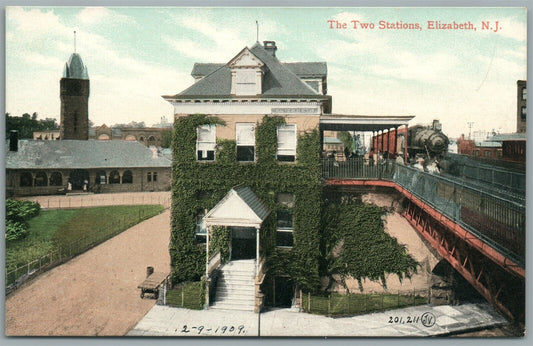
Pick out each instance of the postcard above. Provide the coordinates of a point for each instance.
(265, 171)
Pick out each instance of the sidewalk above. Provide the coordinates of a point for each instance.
(419, 321)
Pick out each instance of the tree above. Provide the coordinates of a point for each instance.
(167, 138)
(27, 124)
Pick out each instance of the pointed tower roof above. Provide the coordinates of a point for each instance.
(74, 68)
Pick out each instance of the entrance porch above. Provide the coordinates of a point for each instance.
(243, 213)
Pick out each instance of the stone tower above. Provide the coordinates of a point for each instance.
(74, 93)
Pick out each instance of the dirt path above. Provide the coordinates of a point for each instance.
(95, 293)
(93, 200)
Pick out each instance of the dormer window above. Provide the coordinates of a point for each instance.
(246, 74)
(246, 80)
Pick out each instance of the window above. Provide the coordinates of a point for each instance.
(114, 177)
(488, 153)
(206, 143)
(151, 176)
(56, 179)
(26, 179)
(286, 143)
(40, 179)
(284, 236)
(101, 178)
(524, 94)
(245, 82)
(523, 113)
(201, 228)
(245, 134)
(476, 152)
(127, 177)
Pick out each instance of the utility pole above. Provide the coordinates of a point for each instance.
(470, 124)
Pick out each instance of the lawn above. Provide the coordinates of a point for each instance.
(357, 304)
(56, 234)
(190, 295)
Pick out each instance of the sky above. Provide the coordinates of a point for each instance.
(134, 55)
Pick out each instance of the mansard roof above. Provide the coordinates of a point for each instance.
(279, 80)
(59, 154)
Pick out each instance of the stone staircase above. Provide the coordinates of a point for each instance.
(235, 287)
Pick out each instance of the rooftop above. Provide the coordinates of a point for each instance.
(279, 80)
(74, 68)
(77, 154)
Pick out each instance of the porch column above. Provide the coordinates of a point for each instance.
(405, 141)
(256, 250)
(395, 150)
(207, 252)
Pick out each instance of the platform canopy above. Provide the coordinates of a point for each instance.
(239, 208)
(343, 122)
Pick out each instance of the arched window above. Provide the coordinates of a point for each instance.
(56, 179)
(26, 179)
(114, 177)
(101, 177)
(141, 139)
(40, 179)
(127, 177)
(104, 137)
(151, 140)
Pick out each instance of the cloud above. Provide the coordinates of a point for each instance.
(98, 15)
(432, 68)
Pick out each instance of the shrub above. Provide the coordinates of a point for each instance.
(17, 215)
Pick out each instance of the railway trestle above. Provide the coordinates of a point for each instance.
(497, 278)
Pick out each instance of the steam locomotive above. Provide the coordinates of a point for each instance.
(422, 141)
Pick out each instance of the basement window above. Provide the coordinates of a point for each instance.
(206, 143)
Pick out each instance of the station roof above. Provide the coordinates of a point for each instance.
(78, 154)
(343, 122)
(508, 137)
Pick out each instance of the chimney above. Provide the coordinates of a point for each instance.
(13, 140)
(270, 46)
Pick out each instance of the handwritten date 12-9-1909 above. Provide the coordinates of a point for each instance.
(218, 330)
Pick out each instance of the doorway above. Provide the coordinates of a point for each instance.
(78, 178)
(243, 243)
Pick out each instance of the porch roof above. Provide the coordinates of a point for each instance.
(239, 208)
(344, 122)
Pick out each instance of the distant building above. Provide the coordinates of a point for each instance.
(513, 146)
(521, 106)
(47, 167)
(47, 135)
(75, 164)
(147, 136)
(485, 149)
(74, 95)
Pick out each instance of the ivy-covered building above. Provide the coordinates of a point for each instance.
(246, 174)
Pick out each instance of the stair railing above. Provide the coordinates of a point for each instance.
(213, 263)
(259, 278)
